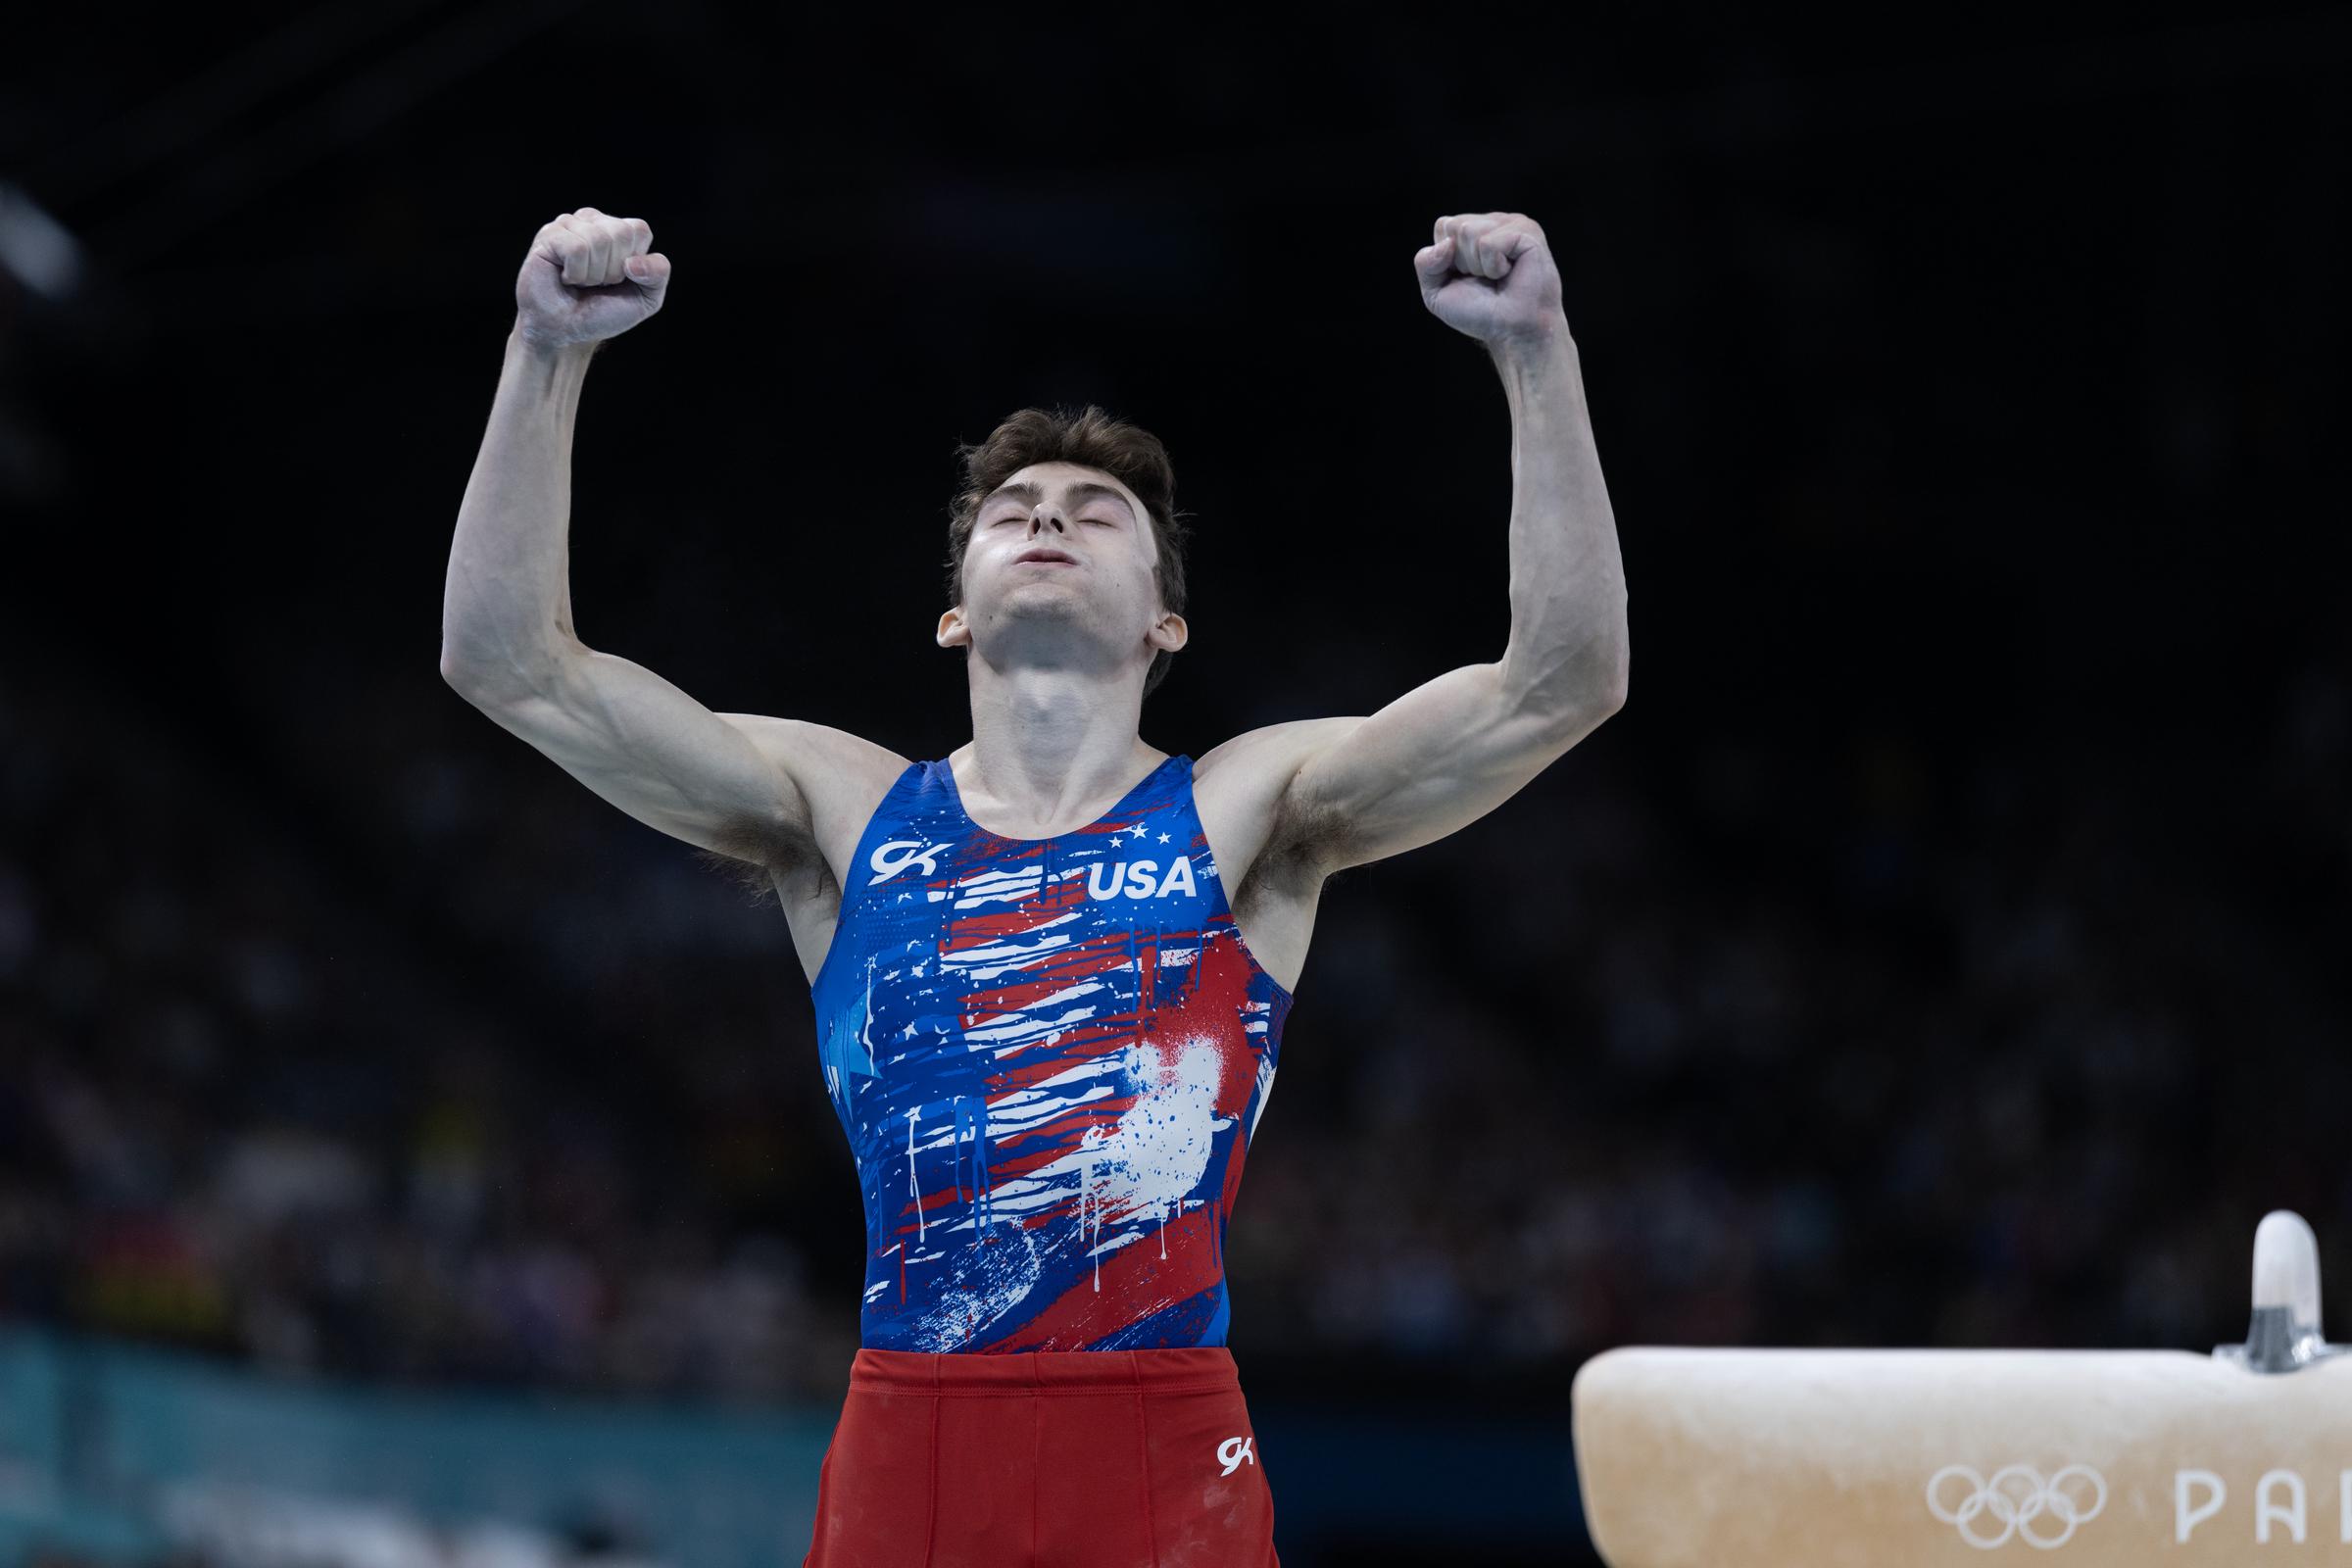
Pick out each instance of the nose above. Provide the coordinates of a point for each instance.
(1042, 519)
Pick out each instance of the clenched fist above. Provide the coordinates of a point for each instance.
(588, 276)
(1490, 276)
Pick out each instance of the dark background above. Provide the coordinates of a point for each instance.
(1944, 947)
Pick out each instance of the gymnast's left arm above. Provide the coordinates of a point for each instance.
(1446, 753)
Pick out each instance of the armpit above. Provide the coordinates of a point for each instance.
(756, 859)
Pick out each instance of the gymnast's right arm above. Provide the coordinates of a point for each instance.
(507, 639)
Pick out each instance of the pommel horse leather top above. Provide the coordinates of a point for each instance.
(1801, 1458)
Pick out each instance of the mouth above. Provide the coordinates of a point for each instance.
(1055, 557)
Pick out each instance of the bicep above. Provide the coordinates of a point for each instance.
(654, 751)
(1428, 763)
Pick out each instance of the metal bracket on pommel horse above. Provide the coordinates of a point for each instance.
(1794, 1458)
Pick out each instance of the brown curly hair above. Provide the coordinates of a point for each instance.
(1094, 439)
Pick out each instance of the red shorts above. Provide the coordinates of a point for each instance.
(1043, 1459)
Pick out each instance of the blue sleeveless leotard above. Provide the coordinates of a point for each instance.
(1049, 1057)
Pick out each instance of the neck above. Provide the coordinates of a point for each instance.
(1051, 746)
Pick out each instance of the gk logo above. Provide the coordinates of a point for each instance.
(1233, 1450)
(887, 866)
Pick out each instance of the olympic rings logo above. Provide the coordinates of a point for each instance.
(2016, 1496)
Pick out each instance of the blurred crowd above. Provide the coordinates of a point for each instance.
(375, 1045)
(211, 1525)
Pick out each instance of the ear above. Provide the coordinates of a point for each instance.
(952, 632)
(1169, 632)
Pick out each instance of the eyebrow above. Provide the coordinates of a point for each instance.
(1082, 491)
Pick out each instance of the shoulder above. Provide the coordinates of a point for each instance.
(842, 777)
(1244, 791)
(797, 743)
(1267, 759)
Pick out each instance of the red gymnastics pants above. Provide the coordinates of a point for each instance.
(1043, 1459)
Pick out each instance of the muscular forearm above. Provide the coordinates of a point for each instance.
(1569, 650)
(506, 610)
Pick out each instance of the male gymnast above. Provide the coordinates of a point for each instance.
(1051, 968)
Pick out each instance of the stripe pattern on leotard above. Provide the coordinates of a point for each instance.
(1049, 1056)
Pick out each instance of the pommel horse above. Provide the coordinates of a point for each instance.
(1799, 1458)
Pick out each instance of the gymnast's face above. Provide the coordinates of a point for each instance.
(1059, 573)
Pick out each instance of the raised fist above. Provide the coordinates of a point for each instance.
(588, 276)
(1490, 276)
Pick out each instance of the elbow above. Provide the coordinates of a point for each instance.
(494, 669)
(1606, 696)
(1595, 682)
(1590, 710)
(1612, 664)
(469, 679)
(1572, 694)
(455, 671)
(1619, 681)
